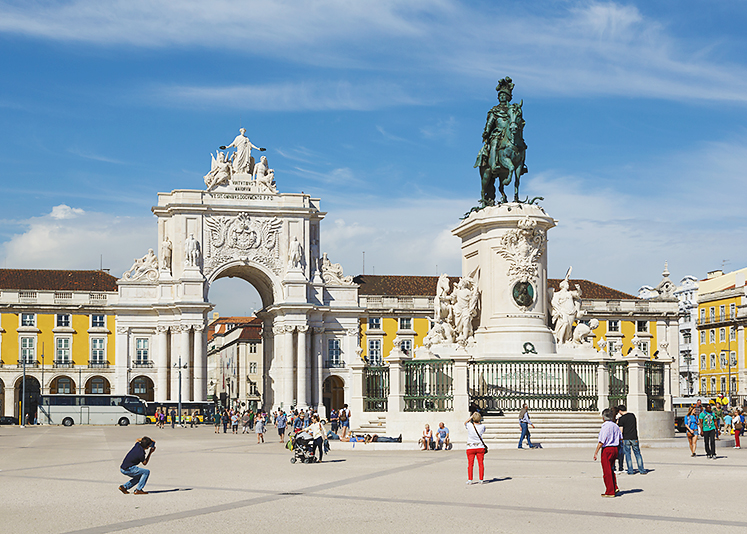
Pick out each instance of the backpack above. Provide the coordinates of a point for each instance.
(343, 415)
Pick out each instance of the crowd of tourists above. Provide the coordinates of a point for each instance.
(710, 422)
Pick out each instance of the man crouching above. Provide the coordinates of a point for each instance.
(609, 439)
(130, 468)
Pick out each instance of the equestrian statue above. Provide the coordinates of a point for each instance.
(503, 151)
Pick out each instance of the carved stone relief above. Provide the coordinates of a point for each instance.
(522, 247)
(245, 238)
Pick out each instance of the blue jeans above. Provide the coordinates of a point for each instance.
(137, 475)
(633, 444)
(525, 432)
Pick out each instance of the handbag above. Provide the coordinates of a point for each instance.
(479, 436)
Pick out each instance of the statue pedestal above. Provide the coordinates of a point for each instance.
(506, 246)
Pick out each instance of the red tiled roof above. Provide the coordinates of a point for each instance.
(53, 280)
(425, 286)
(253, 322)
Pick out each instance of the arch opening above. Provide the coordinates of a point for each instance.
(98, 385)
(142, 386)
(62, 385)
(33, 390)
(333, 393)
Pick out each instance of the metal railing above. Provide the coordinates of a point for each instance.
(429, 386)
(333, 364)
(141, 364)
(618, 383)
(497, 386)
(654, 383)
(29, 363)
(717, 318)
(98, 364)
(376, 389)
(63, 364)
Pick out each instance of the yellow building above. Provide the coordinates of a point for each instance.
(721, 336)
(59, 328)
(400, 306)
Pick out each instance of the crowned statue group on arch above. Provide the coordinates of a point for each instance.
(239, 168)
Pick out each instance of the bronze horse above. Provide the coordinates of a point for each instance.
(505, 159)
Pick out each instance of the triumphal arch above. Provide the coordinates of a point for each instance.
(239, 225)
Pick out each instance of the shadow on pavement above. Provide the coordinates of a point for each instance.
(625, 492)
(170, 490)
(496, 479)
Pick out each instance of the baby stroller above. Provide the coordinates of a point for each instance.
(303, 448)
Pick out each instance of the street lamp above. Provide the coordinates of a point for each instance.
(22, 419)
(179, 366)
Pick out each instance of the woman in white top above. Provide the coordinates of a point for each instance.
(475, 446)
(317, 431)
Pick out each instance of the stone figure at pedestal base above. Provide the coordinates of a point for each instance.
(566, 309)
(145, 267)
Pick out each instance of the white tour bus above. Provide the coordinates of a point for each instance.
(91, 410)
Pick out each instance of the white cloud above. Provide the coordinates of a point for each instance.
(309, 95)
(71, 238)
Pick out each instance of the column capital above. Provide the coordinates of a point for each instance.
(123, 329)
(278, 329)
(162, 329)
(197, 327)
(317, 329)
(352, 331)
(289, 328)
(303, 328)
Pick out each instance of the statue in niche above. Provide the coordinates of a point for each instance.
(145, 267)
(191, 252)
(242, 158)
(295, 254)
(566, 309)
(220, 171)
(166, 249)
(332, 273)
(465, 297)
(584, 333)
(264, 177)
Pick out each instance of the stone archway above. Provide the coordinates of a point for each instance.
(33, 390)
(62, 385)
(98, 385)
(142, 386)
(333, 396)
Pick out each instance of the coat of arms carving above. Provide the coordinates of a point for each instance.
(244, 238)
(522, 247)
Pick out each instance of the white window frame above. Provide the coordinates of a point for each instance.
(374, 323)
(33, 319)
(732, 310)
(21, 350)
(60, 317)
(252, 348)
(712, 335)
(407, 346)
(733, 358)
(253, 368)
(722, 360)
(713, 360)
(139, 351)
(92, 356)
(722, 311)
(723, 384)
(722, 334)
(62, 354)
(409, 321)
(96, 325)
(644, 347)
(103, 385)
(70, 381)
(334, 352)
(613, 325)
(374, 352)
(732, 333)
(702, 337)
(703, 361)
(641, 327)
(713, 384)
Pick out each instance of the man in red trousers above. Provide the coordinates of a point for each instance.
(609, 439)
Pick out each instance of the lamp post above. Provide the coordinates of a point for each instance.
(179, 366)
(22, 418)
(42, 384)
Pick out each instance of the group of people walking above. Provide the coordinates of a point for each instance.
(708, 421)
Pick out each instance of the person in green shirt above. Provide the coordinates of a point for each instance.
(718, 414)
(707, 423)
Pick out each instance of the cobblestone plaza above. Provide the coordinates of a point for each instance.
(56, 479)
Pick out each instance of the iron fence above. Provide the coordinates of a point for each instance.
(654, 373)
(429, 386)
(497, 386)
(618, 383)
(376, 392)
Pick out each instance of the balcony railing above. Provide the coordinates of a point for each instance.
(97, 364)
(717, 318)
(142, 364)
(334, 364)
(63, 364)
(29, 363)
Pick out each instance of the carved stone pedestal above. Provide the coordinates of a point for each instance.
(506, 246)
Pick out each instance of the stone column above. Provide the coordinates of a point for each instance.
(667, 383)
(637, 399)
(460, 385)
(122, 361)
(275, 370)
(162, 364)
(396, 400)
(303, 366)
(200, 363)
(186, 355)
(317, 358)
(351, 344)
(10, 399)
(174, 362)
(355, 400)
(603, 384)
(288, 362)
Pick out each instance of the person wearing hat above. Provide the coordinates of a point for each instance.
(130, 468)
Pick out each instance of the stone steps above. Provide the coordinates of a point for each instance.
(372, 426)
(553, 429)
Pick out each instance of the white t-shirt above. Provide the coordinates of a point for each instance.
(473, 438)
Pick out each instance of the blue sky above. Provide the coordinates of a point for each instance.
(635, 124)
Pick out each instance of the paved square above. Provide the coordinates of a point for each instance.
(56, 479)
